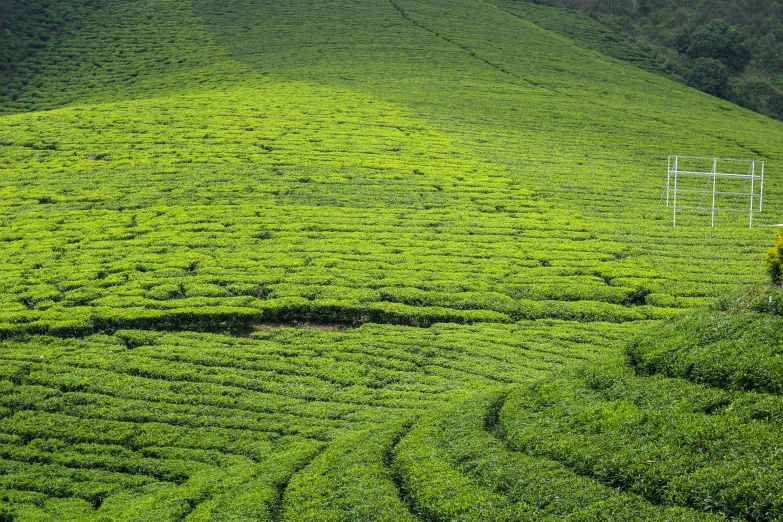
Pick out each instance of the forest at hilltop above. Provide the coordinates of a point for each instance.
(685, 36)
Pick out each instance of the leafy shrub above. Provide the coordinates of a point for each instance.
(774, 105)
(439, 490)
(774, 260)
(471, 453)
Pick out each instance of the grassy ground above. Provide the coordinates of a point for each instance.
(480, 189)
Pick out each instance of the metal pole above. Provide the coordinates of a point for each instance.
(668, 177)
(674, 223)
(740, 194)
(752, 179)
(761, 192)
(714, 182)
(707, 186)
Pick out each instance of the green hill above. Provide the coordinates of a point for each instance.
(325, 261)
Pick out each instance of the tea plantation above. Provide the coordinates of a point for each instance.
(378, 260)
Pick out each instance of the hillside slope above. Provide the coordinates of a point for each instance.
(481, 190)
(748, 42)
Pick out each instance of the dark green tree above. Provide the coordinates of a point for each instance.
(718, 40)
(775, 105)
(710, 76)
(5, 6)
(682, 41)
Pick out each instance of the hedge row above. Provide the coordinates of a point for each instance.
(670, 441)
(239, 491)
(351, 480)
(719, 348)
(297, 310)
(227, 318)
(93, 423)
(463, 438)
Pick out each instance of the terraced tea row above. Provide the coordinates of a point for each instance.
(168, 425)
(597, 444)
(456, 466)
(265, 246)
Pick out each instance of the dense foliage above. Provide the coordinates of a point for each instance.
(295, 422)
(328, 261)
(5, 7)
(774, 260)
(676, 34)
(718, 40)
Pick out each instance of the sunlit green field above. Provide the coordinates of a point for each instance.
(364, 260)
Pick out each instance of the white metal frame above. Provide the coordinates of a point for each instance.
(752, 174)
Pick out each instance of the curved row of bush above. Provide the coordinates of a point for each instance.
(227, 489)
(458, 450)
(232, 318)
(670, 441)
(206, 314)
(735, 345)
(93, 423)
(351, 480)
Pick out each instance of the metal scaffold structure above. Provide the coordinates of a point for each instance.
(723, 182)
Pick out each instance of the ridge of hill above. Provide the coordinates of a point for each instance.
(324, 260)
